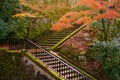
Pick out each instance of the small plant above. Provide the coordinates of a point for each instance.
(108, 55)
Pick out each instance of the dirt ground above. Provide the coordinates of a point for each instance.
(94, 67)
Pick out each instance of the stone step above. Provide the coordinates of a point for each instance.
(67, 31)
(71, 75)
(46, 47)
(44, 57)
(39, 54)
(61, 68)
(50, 42)
(60, 35)
(63, 33)
(53, 62)
(57, 38)
(48, 60)
(33, 50)
(76, 77)
(70, 29)
(50, 39)
(57, 65)
(47, 44)
(66, 71)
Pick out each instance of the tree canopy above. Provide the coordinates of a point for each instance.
(102, 11)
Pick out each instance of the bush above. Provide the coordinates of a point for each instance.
(108, 55)
(13, 68)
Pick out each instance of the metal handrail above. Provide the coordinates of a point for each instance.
(56, 58)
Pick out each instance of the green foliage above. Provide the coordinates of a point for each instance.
(7, 8)
(46, 20)
(99, 12)
(116, 28)
(39, 38)
(78, 8)
(15, 27)
(3, 30)
(109, 57)
(26, 27)
(69, 51)
(113, 31)
(19, 27)
(12, 67)
(26, 8)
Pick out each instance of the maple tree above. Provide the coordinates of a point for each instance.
(102, 11)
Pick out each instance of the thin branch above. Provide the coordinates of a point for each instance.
(103, 23)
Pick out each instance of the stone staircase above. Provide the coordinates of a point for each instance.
(54, 63)
(63, 69)
(49, 43)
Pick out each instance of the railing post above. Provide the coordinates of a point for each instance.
(59, 68)
(9, 44)
(74, 74)
(36, 49)
(68, 73)
(12, 45)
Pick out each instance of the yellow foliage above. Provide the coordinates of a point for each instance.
(23, 15)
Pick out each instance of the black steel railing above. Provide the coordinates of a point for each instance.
(60, 68)
(18, 44)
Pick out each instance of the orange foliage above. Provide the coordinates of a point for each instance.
(84, 20)
(92, 3)
(110, 11)
(110, 15)
(65, 21)
(59, 26)
(85, 13)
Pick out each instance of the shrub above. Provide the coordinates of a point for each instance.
(108, 55)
